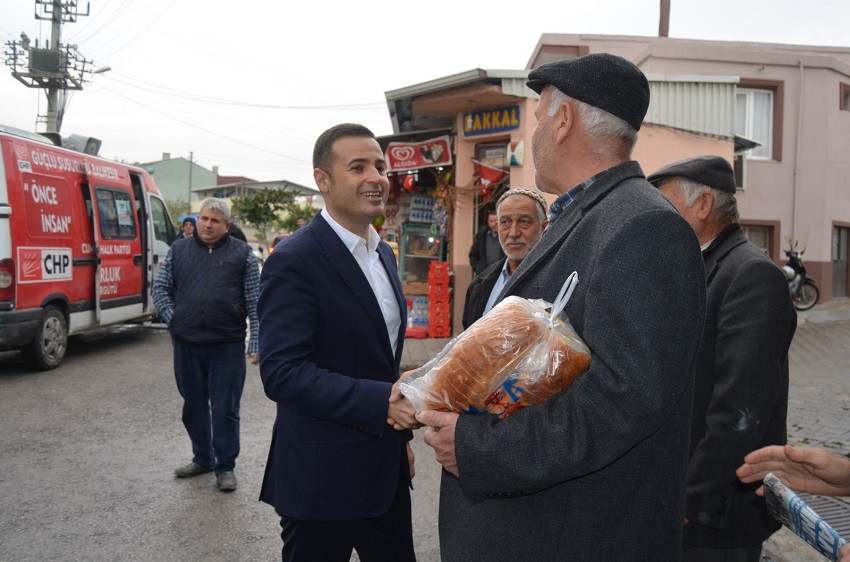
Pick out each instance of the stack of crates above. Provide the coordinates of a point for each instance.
(439, 300)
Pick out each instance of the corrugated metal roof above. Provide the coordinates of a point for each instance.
(702, 104)
(696, 103)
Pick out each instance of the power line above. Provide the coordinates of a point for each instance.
(135, 83)
(145, 28)
(206, 130)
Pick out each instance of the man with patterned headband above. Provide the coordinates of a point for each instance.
(521, 217)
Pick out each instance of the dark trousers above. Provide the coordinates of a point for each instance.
(384, 538)
(210, 379)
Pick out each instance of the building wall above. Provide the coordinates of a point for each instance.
(172, 177)
(656, 147)
(803, 191)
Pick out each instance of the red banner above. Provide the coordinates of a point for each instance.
(413, 155)
(488, 174)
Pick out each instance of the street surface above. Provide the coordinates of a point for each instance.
(87, 453)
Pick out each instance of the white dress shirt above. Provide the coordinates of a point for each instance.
(365, 252)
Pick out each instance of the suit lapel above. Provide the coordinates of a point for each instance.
(389, 263)
(349, 271)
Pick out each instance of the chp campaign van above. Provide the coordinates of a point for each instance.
(81, 241)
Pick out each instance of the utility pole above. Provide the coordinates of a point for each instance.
(55, 67)
(191, 154)
(664, 19)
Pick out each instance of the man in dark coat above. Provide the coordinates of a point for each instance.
(486, 250)
(596, 472)
(522, 219)
(741, 389)
(206, 288)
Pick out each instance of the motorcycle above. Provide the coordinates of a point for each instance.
(804, 289)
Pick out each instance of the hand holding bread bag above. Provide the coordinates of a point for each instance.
(514, 356)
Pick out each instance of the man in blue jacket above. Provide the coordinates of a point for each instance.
(206, 288)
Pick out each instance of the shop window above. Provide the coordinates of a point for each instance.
(758, 117)
(844, 97)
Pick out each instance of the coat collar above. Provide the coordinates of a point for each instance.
(729, 238)
(558, 230)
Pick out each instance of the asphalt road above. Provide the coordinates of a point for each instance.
(87, 453)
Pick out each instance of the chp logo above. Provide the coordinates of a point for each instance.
(23, 155)
(40, 265)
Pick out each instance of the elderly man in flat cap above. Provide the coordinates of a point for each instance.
(521, 218)
(741, 390)
(596, 472)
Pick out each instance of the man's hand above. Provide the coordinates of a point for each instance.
(440, 435)
(254, 357)
(401, 414)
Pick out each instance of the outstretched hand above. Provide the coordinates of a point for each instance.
(804, 469)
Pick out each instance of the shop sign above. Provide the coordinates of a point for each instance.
(414, 155)
(491, 120)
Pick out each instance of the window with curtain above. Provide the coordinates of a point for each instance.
(754, 119)
(758, 235)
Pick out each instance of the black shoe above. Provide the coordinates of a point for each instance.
(226, 481)
(191, 469)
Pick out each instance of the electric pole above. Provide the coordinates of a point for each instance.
(191, 165)
(55, 67)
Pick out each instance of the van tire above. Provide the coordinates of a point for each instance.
(48, 348)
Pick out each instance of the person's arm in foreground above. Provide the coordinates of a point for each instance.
(804, 469)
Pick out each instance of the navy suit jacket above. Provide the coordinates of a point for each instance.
(326, 360)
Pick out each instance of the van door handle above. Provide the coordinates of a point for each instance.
(137, 259)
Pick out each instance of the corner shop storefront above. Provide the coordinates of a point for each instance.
(486, 130)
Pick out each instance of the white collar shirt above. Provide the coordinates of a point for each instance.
(365, 253)
(497, 288)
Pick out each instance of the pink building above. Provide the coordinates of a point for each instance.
(792, 102)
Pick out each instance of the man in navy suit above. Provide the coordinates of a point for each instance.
(333, 313)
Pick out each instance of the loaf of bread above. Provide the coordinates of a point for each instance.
(511, 358)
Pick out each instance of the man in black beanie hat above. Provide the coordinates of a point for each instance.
(741, 391)
(596, 472)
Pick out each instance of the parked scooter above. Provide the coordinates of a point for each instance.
(804, 289)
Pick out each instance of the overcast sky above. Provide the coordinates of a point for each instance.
(248, 85)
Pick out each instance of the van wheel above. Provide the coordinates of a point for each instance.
(48, 348)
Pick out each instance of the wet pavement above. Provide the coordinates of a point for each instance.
(818, 403)
(87, 452)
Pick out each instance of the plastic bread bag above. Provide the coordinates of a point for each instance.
(516, 355)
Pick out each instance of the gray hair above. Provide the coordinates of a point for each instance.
(216, 205)
(602, 128)
(725, 205)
